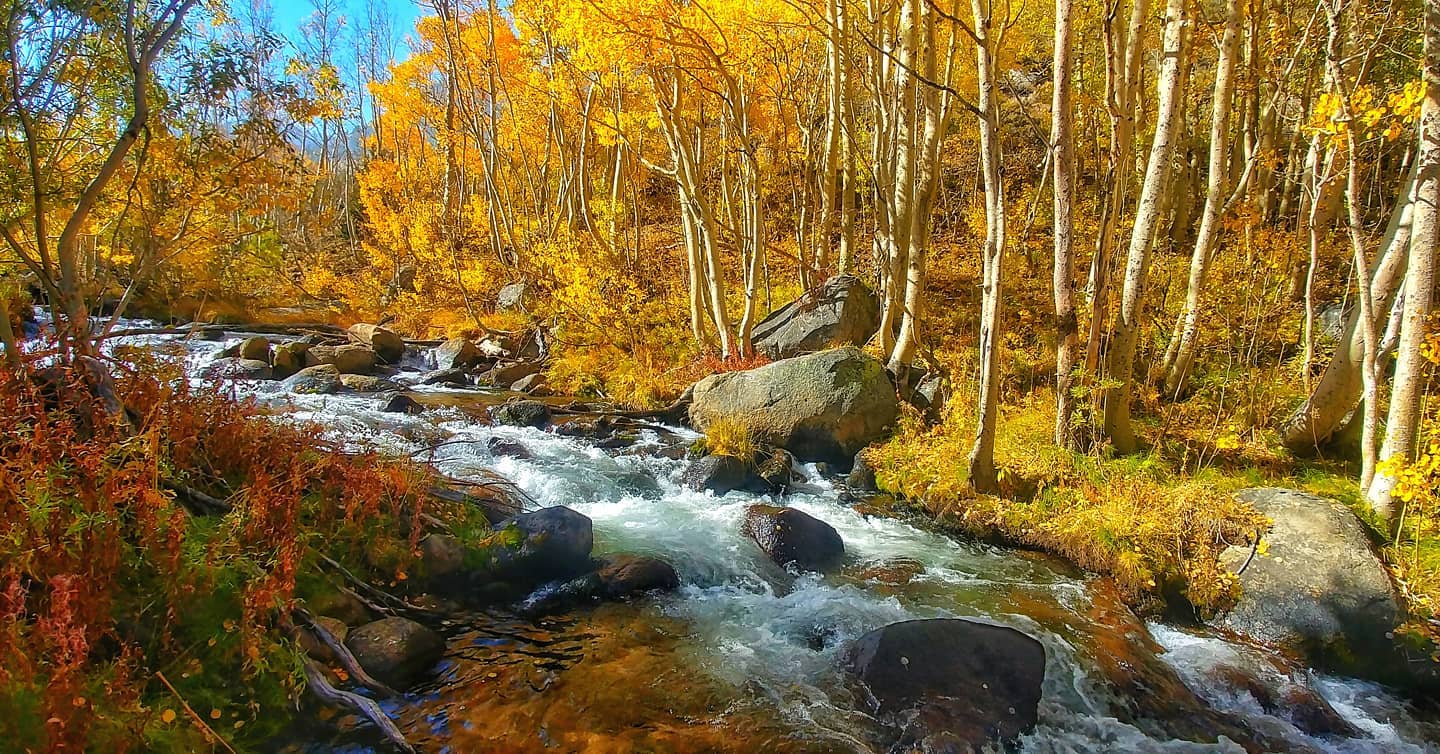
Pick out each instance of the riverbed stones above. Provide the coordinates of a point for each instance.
(521, 414)
(821, 407)
(788, 535)
(840, 312)
(290, 358)
(388, 346)
(622, 576)
(453, 377)
(367, 383)
(457, 353)
(321, 379)
(861, 477)
(545, 544)
(348, 359)
(534, 384)
(400, 403)
(950, 684)
(237, 369)
(506, 374)
(719, 474)
(1319, 591)
(396, 651)
(256, 348)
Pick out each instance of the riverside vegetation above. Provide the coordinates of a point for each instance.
(1070, 279)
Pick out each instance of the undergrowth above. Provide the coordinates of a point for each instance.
(129, 622)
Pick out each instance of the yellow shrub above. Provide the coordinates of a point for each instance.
(729, 436)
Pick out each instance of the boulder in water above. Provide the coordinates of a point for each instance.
(321, 379)
(401, 403)
(950, 684)
(1319, 591)
(521, 414)
(388, 346)
(453, 377)
(237, 369)
(841, 312)
(365, 383)
(396, 651)
(790, 536)
(821, 407)
(256, 348)
(349, 359)
(534, 384)
(622, 576)
(507, 374)
(457, 353)
(290, 358)
(545, 544)
(861, 477)
(504, 446)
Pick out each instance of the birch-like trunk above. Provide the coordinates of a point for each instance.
(1063, 161)
(1121, 358)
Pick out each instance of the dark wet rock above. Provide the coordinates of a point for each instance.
(775, 470)
(457, 353)
(895, 572)
(441, 555)
(237, 369)
(522, 414)
(617, 441)
(510, 297)
(316, 380)
(861, 477)
(256, 348)
(349, 359)
(401, 403)
(396, 651)
(365, 383)
(388, 346)
(841, 312)
(790, 536)
(587, 427)
(318, 649)
(719, 474)
(454, 377)
(950, 684)
(341, 606)
(1277, 695)
(621, 576)
(1320, 591)
(546, 544)
(290, 358)
(504, 446)
(821, 407)
(534, 384)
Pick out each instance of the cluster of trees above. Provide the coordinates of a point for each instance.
(618, 150)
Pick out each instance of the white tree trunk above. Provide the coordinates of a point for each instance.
(1063, 150)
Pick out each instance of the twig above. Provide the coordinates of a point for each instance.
(342, 653)
(210, 732)
(315, 679)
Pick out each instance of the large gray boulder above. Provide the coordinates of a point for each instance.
(456, 353)
(1319, 591)
(348, 359)
(821, 407)
(840, 312)
(321, 379)
(950, 684)
(231, 368)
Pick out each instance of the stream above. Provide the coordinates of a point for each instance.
(745, 655)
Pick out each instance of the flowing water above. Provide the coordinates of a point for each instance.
(745, 656)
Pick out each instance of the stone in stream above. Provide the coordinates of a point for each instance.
(365, 383)
(534, 384)
(316, 648)
(1320, 591)
(719, 474)
(290, 358)
(540, 545)
(504, 446)
(457, 353)
(257, 348)
(821, 407)
(236, 369)
(861, 477)
(618, 577)
(401, 403)
(348, 359)
(790, 536)
(396, 651)
(388, 346)
(950, 684)
(521, 414)
(507, 374)
(841, 312)
(322, 379)
(453, 377)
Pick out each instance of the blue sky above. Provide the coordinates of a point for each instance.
(289, 14)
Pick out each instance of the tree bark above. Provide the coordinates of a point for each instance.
(1063, 150)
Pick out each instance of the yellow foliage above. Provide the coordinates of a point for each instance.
(730, 436)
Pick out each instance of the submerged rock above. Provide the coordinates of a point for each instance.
(841, 312)
(625, 575)
(790, 536)
(950, 684)
(396, 651)
(316, 380)
(1320, 591)
(821, 407)
(522, 414)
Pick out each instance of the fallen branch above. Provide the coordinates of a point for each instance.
(377, 594)
(197, 502)
(317, 682)
(199, 721)
(342, 653)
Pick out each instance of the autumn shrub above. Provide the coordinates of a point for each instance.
(120, 603)
(730, 436)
